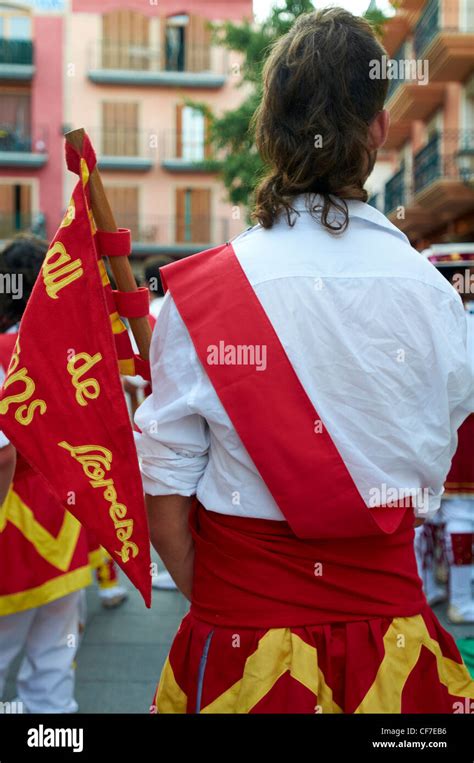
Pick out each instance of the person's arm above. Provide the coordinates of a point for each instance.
(168, 517)
(173, 443)
(7, 469)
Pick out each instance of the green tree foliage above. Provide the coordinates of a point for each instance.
(230, 134)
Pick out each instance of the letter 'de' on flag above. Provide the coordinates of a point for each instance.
(62, 403)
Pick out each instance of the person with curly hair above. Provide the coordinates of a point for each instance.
(309, 379)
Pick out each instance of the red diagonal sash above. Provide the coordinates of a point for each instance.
(270, 410)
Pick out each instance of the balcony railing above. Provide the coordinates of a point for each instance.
(441, 18)
(145, 61)
(179, 234)
(122, 148)
(23, 140)
(16, 52)
(395, 191)
(428, 163)
(187, 151)
(401, 55)
(440, 158)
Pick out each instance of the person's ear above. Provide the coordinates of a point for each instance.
(378, 130)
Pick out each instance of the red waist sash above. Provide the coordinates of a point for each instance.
(255, 573)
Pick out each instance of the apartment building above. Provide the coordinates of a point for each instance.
(129, 72)
(430, 193)
(31, 97)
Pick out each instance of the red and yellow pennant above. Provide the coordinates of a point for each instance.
(62, 403)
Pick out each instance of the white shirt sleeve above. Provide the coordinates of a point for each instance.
(3, 440)
(174, 441)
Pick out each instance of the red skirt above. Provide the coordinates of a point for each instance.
(277, 625)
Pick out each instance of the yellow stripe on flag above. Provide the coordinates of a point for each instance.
(58, 550)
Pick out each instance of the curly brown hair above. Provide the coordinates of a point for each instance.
(312, 124)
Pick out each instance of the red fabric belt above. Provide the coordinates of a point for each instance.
(256, 573)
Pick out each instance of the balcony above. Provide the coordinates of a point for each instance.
(395, 31)
(395, 195)
(446, 39)
(401, 54)
(12, 223)
(410, 5)
(407, 98)
(175, 235)
(22, 147)
(439, 184)
(400, 207)
(16, 59)
(123, 149)
(187, 151)
(134, 65)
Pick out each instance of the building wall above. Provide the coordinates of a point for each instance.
(46, 94)
(47, 110)
(441, 209)
(232, 10)
(156, 108)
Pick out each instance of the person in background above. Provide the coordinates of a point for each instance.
(450, 532)
(40, 591)
(153, 281)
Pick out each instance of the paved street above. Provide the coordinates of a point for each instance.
(123, 651)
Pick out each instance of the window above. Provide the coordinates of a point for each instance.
(15, 208)
(125, 41)
(175, 36)
(191, 134)
(120, 135)
(124, 203)
(15, 120)
(193, 224)
(467, 16)
(15, 23)
(186, 44)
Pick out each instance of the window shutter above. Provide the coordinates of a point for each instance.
(198, 44)
(180, 215)
(179, 130)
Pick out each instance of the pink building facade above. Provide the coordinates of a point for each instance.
(31, 117)
(129, 73)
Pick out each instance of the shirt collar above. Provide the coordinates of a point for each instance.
(357, 210)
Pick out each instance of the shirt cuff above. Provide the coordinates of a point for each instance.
(165, 472)
(3, 440)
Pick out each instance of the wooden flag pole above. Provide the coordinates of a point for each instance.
(121, 269)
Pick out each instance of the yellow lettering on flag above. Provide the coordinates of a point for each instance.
(96, 461)
(24, 413)
(60, 272)
(70, 215)
(86, 388)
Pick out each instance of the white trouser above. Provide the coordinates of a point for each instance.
(458, 514)
(49, 635)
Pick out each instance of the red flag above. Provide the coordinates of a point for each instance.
(62, 403)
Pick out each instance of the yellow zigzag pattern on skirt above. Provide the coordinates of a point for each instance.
(280, 650)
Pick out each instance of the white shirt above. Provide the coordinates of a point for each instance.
(377, 338)
(155, 306)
